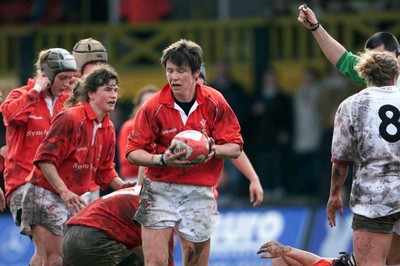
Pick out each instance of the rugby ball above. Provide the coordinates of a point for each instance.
(195, 143)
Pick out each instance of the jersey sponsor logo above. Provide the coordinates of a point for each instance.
(30, 133)
(77, 166)
(168, 131)
(35, 117)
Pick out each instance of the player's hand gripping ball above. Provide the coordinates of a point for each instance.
(195, 143)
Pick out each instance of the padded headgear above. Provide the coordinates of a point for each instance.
(87, 51)
(57, 61)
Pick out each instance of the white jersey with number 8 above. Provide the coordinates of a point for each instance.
(367, 133)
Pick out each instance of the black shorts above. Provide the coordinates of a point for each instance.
(83, 245)
(381, 225)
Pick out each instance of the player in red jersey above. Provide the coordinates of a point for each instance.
(176, 194)
(27, 113)
(79, 148)
(104, 233)
(89, 54)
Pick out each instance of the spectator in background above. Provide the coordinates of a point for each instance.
(307, 132)
(128, 170)
(232, 91)
(234, 94)
(271, 134)
(45, 11)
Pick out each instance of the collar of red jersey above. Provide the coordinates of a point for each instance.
(167, 98)
(92, 116)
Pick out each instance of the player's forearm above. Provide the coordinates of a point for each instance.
(243, 164)
(331, 48)
(143, 158)
(228, 151)
(302, 256)
(117, 183)
(338, 177)
(50, 172)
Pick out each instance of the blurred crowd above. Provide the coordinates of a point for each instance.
(137, 11)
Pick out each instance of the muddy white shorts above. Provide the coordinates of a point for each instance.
(16, 203)
(186, 208)
(45, 208)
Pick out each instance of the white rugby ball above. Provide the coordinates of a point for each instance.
(195, 143)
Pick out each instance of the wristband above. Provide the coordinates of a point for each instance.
(314, 27)
(158, 161)
(162, 161)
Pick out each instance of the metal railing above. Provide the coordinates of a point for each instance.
(135, 50)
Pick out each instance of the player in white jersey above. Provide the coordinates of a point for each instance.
(344, 61)
(367, 134)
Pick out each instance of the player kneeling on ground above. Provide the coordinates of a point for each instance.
(104, 233)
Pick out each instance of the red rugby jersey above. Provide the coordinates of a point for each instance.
(157, 122)
(126, 169)
(27, 118)
(81, 148)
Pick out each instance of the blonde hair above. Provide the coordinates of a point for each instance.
(41, 58)
(377, 68)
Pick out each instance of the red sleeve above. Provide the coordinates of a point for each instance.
(324, 262)
(226, 126)
(55, 147)
(19, 104)
(107, 173)
(126, 128)
(126, 169)
(140, 138)
(340, 162)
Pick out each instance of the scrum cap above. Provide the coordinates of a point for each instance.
(58, 60)
(88, 50)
